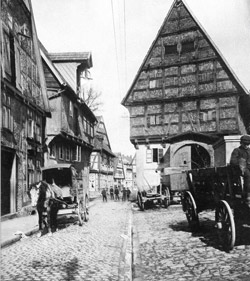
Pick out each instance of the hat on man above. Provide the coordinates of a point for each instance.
(245, 139)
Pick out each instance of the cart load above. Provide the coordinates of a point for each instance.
(220, 189)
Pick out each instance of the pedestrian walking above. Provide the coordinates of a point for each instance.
(128, 193)
(111, 193)
(104, 195)
(124, 194)
(117, 198)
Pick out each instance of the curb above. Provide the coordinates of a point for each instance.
(18, 237)
(125, 263)
(32, 231)
(137, 272)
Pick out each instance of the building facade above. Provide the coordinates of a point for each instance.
(70, 131)
(119, 174)
(24, 106)
(102, 160)
(185, 103)
(128, 171)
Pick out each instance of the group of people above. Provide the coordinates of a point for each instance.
(115, 194)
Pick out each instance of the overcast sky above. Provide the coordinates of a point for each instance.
(119, 43)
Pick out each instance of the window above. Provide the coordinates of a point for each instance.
(53, 151)
(170, 49)
(18, 68)
(84, 121)
(154, 120)
(7, 118)
(77, 154)
(92, 130)
(60, 152)
(38, 134)
(210, 115)
(154, 155)
(6, 51)
(68, 153)
(30, 128)
(148, 156)
(152, 83)
(71, 109)
(187, 47)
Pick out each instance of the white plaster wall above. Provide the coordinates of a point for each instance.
(145, 172)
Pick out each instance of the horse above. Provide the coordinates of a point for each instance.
(44, 197)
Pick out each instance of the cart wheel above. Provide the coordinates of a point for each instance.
(140, 202)
(225, 225)
(166, 200)
(80, 212)
(190, 209)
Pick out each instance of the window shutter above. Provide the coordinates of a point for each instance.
(148, 156)
(160, 154)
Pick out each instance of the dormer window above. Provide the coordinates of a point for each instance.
(170, 49)
(187, 47)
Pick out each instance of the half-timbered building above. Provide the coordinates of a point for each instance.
(102, 160)
(185, 103)
(119, 174)
(24, 106)
(70, 131)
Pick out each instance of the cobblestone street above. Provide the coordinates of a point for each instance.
(94, 251)
(165, 249)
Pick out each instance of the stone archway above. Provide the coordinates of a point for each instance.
(188, 156)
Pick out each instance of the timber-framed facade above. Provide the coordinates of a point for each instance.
(185, 101)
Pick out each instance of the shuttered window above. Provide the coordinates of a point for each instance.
(154, 155)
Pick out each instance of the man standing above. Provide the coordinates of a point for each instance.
(104, 195)
(124, 194)
(240, 158)
(128, 193)
(111, 193)
(117, 194)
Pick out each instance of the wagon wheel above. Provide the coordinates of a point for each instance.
(166, 200)
(225, 225)
(140, 201)
(80, 212)
(190, 209)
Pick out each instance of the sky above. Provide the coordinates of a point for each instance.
(119, 34)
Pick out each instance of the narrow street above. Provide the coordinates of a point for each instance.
(95, 251)
(163, 248)
(166, 249)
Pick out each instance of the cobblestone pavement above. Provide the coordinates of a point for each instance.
(95, 251)
(164, 248)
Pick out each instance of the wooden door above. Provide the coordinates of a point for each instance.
(181, 158)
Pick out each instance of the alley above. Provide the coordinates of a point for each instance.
(165, 249)
(95, 251)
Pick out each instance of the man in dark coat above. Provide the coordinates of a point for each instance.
(117, 194)
(124, 194)
(111, 193)
(128, 193)
(240, 158)
(104, 195)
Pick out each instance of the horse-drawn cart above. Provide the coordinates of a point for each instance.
(162, 194)
(220, 189)
(74, 199)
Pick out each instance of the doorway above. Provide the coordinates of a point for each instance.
(6, 171)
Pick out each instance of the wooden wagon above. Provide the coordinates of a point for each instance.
(163, 194)
(74, 201)
(220, 189)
